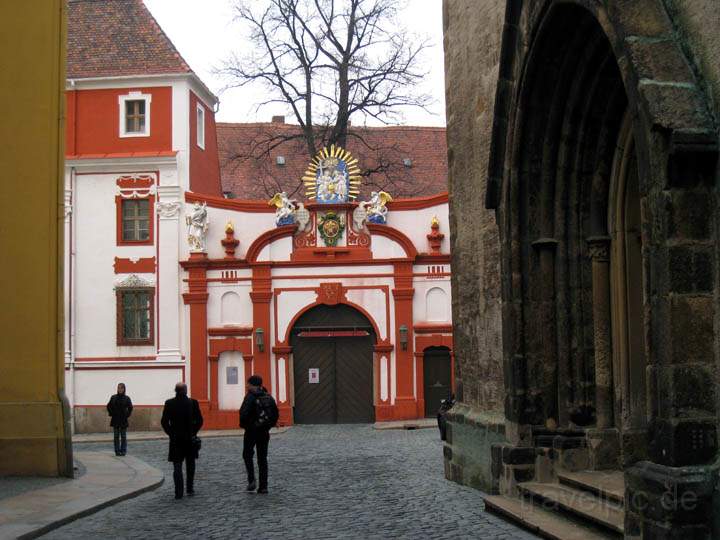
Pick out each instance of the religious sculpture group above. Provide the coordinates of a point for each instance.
(332, 178)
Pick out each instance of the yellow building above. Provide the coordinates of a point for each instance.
(34, 416)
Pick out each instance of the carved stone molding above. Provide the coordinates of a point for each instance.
(330, 294)
(599, 248)
(168, 209)
(133, 281)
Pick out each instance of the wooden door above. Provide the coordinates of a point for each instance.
(354, 380)
(314, 401)
(336, 342)
(436, 374)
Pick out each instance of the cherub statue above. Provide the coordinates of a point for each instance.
(197, 223)
(360, 216)
(376, 207)
(285, 213)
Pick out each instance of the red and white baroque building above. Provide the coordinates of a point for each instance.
(356, 331)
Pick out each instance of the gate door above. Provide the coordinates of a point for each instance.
(314, 398)
(333, 366)
(436, 374)
(354, 388)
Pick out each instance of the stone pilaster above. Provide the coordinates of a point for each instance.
(168, 210)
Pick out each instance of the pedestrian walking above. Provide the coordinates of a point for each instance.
(181, 420)
(258, 414)
(120, 408)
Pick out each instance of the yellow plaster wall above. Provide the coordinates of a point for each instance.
(34, 433)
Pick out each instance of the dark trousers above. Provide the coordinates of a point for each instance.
(259, 439)
(178, 475)
(120, 440)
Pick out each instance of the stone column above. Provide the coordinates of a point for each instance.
(599, 250)
(547, 383)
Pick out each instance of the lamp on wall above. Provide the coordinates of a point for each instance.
(260, 339)
(403, 337)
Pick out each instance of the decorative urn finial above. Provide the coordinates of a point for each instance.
(435, 237)
(230, 243)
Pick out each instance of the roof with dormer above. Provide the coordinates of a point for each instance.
(115, 38)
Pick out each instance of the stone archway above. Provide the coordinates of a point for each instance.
(591, 308)
(553, 218)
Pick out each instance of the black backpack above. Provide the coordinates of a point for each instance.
(266, 411)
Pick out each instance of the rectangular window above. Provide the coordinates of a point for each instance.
(201, 126)
(135, 220)
(135, 316)
(135, 116)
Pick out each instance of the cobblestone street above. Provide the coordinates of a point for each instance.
(325, 482)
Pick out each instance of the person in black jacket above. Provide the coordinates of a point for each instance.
(181, 420)
(258, 414)
(120, 408)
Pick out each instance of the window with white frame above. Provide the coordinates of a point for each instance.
(200, 117)
(134, 114)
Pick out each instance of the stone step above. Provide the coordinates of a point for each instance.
(609, 485)
(544, 523)
(578, 503)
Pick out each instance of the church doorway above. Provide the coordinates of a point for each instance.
(333, 366)
(628, 339)
(436, 377)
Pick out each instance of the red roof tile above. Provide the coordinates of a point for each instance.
(388, 147)
(111, 38)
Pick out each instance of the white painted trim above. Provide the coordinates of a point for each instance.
(200, 126)
(134, 96)
(130, 163)
(134, 81)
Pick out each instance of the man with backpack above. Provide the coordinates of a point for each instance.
(258, 414)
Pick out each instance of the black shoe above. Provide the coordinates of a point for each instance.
(262, 490)
(190, 492)
(251, 486)
(178, 496)
(118, 454)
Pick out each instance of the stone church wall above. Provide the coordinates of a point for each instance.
(698, 23)
(473, 31)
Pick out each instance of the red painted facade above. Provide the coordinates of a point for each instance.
(93, 122)
(204, 165)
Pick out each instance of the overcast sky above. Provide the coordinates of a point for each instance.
(204, 33)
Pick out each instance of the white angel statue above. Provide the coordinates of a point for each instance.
(197, 227)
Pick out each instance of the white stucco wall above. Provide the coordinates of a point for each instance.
(144, 386)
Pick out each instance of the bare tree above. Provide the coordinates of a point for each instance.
(328, 61)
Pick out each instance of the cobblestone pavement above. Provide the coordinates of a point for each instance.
(325, 482)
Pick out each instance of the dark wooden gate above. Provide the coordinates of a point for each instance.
(436, 374)
(332, 367)
(314, 402)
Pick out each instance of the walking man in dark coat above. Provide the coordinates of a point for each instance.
(181, 420)
(120, 408)
(258, 414)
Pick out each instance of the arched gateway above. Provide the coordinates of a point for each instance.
(333, 366)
